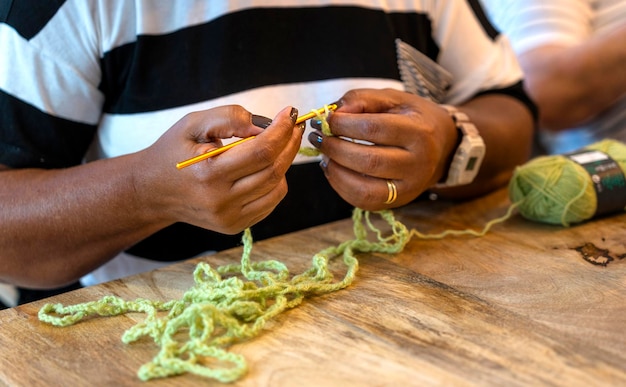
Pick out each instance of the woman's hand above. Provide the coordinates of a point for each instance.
(228, 192)
(95, 210)
(412, 141)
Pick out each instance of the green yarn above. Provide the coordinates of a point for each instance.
(557, 190)
(230, 304)
(308, 151)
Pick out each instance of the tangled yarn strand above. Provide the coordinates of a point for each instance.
(229, 304)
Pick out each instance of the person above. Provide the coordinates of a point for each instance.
(101, 99)
(573, 55)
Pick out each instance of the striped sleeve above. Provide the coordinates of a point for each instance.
(50, 106)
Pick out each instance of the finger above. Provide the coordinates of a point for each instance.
(273, 174)
(206, 129)
(374, 160)
(385, 117)
(250, 211)
(240, 215)
(362, 191)
(265, 203)
(221, 123)
(371, 101)
(260, 183)
(276, 146)
(379, 128)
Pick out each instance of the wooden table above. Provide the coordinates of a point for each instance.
(523, 305)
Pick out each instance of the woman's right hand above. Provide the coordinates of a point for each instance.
(226, 193)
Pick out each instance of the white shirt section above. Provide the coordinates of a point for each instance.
(121, 266)
(9, 295)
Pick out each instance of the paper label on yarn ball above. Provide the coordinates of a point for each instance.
(608, 179)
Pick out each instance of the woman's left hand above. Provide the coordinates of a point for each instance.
(411, 139)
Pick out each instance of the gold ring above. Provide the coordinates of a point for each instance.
(393, 192)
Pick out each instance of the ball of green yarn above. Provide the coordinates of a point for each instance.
(556, 189)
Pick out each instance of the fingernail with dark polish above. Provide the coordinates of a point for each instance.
(302, 126)
(324, 162)
(316, 124)
(338, 103)
(260, 121)
(315, 139)
(294, 114)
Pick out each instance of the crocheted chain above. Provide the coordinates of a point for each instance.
(230, 303)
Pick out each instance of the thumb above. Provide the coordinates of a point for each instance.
(224, 122)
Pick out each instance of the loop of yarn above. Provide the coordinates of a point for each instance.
(556, 189)
(309, 151)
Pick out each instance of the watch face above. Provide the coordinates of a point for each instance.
(471, 163)
(467, 160)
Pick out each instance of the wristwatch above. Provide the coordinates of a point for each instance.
(468, 156)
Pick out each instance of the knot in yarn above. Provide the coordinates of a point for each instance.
(558, 190)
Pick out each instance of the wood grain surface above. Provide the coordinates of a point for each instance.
(527, 304)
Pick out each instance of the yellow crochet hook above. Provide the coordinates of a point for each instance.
(220, 150)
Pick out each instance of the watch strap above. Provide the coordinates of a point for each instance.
(469, 153)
